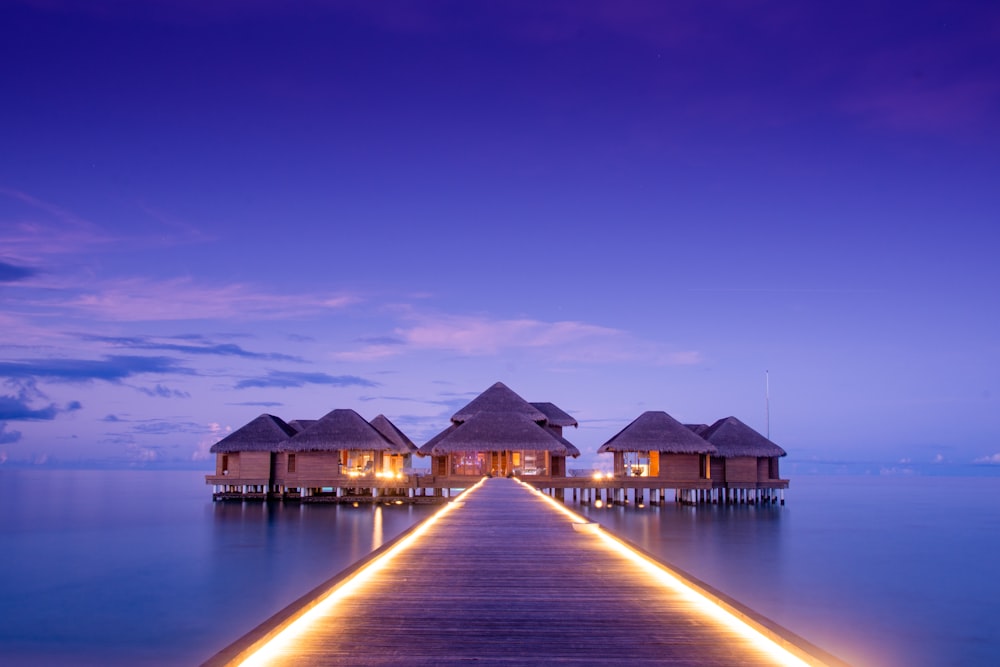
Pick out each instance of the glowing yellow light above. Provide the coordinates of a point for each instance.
(598, 504)
(698, 599)
(284, 639)
(598, 475)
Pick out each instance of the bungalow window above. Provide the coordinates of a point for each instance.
(469, 463)
(704, 466)
(291, 463)
(225, 463)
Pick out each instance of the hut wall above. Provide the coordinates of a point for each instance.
(741, 469)
(718, 467)
(558, 468)
(309, 467)
(440, 466)
(227, 464)
(680, 467)
(255, 465)
(763, 468)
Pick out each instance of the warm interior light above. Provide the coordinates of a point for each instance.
(598, 475)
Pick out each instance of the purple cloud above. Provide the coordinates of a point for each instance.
(110, 369)
(218, 349)
(284, 380)
(11, 273)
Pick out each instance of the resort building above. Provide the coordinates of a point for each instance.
(244, 459)
(343, 458)
(745, 466)
(499, 433)
(336, 456)
(657, 446)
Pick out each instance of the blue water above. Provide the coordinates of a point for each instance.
(141, 568)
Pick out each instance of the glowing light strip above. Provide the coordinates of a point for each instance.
(280, 643)
(697, 598)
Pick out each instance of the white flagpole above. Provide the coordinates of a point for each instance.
(767, 402)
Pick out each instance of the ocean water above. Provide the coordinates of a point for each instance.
(142, 568)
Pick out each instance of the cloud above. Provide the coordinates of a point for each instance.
(18, 408)
(259, 404)
(993, 459)
(561, 341)
(216, 349)
(159, 391)
(10, 273)
(112, 418)
(6, 436)
(110, 369)
(181, 299)
(215, 433)
(285, 379)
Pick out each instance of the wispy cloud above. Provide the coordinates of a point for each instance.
(7, 437)
(561, 341)
(183, 299)
(218, 349)
(259, 404)
(110, 369)
(159, 391)
(993, 459)
(285, 380)
(11, 273)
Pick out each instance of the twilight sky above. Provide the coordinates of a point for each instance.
(213, 210)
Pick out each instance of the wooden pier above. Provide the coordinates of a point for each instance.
(505, 576)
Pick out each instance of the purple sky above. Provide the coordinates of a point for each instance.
(213, 210)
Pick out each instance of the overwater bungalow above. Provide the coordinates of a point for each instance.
(745, 466)
(657, 446)
(400, 461)
(499, 433)
(244, 459)
(340, 452)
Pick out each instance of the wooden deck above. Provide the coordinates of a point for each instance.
(506, 578)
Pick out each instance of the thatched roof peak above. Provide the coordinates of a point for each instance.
(657, 431)
(734, 438)
(498, 399)
(494, 431)
(555, 415)
(339, 429)
(391, 433)
(262, 434)
(301, 424)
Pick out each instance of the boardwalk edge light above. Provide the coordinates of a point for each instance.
(780, 643)
(272, 636)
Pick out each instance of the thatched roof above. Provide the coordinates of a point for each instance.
(263, 434)
(389, 431)
(554, 414)
(301, 424)
(493, 431)
(498, 398)
(339, 429)
(427, 448)
(698, 428)
(656, 431)
(734, 438)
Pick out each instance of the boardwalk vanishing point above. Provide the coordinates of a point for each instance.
(505, 575)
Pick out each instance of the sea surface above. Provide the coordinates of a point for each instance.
(142, 568)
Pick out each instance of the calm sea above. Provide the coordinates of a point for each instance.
(141, 568)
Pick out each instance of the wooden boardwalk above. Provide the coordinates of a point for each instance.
(506, 578)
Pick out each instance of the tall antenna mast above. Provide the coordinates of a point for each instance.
(767, 402)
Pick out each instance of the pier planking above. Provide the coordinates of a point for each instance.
(506, 579)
